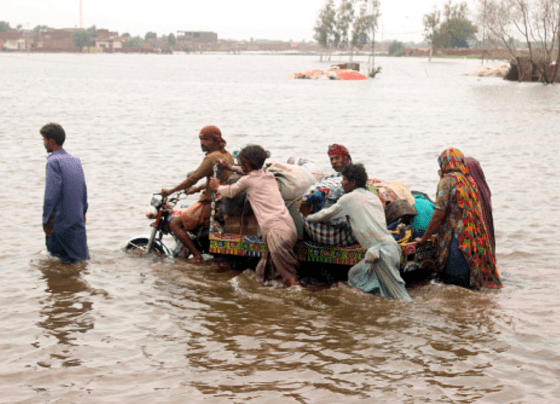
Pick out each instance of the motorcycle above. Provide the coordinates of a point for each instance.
(162, 210)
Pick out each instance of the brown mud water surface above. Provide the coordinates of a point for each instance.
(129, 329)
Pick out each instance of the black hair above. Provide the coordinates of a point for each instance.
(356, 172)
(54, 131)
(254, 155)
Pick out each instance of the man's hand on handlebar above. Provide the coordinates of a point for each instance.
(194, 190)
(214, 184)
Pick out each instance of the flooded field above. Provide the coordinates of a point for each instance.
(128, 329)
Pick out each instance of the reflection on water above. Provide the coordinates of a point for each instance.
(146, 328)
(65, 310)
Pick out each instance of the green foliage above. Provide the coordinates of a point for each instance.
(135, 42)
(431, 24)
(374, 72)
(455, 31)
(396, 48)
(456, 34)
(324, 30)
(38, 28)
(5, 26)
(348, 25)
(82, 38)
(171, 39)
(126, 35)
(363, 25)
(344, 17)
(92, 31)
(150, 35)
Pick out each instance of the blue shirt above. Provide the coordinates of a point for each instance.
(65, 191)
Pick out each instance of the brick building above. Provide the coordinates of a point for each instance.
(197, 36)
(13, 41)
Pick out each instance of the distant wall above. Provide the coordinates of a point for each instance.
(50, 49)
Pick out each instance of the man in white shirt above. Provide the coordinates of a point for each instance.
(379, 272)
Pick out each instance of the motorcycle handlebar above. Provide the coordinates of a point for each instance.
(171, 197)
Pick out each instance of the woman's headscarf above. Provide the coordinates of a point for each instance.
(471, 233)
(452, 160)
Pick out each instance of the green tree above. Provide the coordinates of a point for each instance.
(431, 26)
(455, 31)
(350, 25)
(324, 29)
(344, 18)
(396, 48)
(135, 42)
(126, 35)
(362, 27)
(5, 26)
(38, 28)
(82, 38)
(150, 35)
(92, 31)
(171, 39)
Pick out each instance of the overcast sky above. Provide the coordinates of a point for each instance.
(230, 19)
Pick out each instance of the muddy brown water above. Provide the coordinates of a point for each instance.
(128, 329)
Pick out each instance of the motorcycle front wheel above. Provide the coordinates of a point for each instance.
(138, 246)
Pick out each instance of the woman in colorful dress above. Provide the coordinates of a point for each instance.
(465, 257)
(475, 171)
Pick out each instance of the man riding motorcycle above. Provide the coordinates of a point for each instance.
(198, 214)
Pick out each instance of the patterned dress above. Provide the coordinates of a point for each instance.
(457, 196)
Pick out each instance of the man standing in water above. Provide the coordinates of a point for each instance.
(65, 204)
(198, 213)
(378, 272)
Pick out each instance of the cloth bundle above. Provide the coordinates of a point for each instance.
(322, 233)
(292, 180)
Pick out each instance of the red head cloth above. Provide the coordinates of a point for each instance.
(213, 132)
(339, 150)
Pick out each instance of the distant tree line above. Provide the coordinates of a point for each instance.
(5, 27)
(348, 25)
(86, 37)
(450, 28)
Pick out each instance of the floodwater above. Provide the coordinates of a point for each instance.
(127, 329)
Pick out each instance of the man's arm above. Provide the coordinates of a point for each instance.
(204, 170)
(334, 212)
(229, 191)
(53, 192)
(194, 190)
(435, 224)
(443, 198)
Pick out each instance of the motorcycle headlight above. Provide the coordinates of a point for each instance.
(151, 212)
(156, 200)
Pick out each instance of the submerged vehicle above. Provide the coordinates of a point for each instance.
(162, 210)
(234, 237)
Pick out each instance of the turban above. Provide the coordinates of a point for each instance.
(213, 132)
(339, 150)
